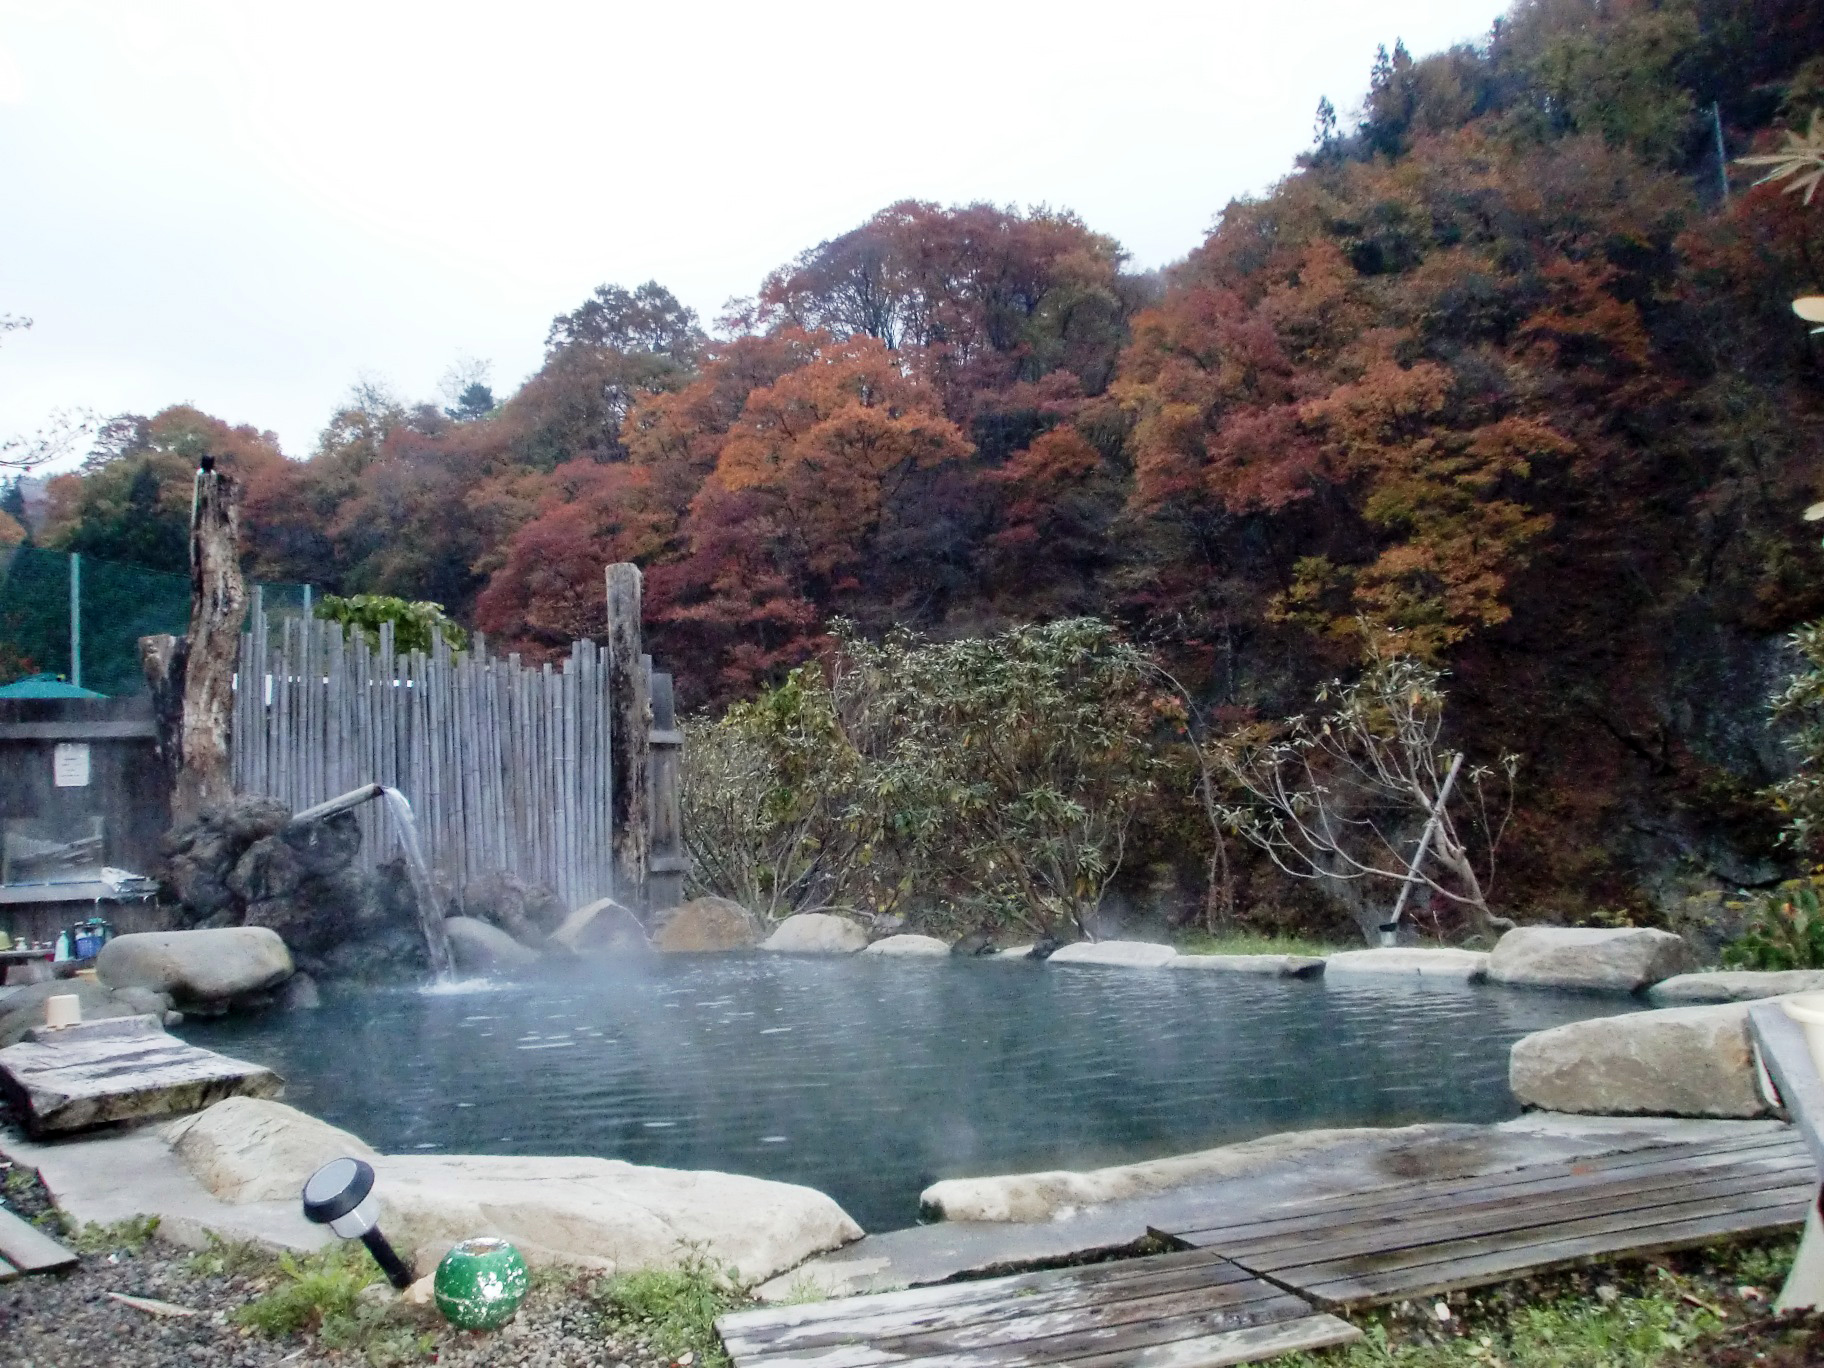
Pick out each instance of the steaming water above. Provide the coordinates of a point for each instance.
(871, 1078)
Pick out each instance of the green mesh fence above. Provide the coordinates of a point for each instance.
(114, 606)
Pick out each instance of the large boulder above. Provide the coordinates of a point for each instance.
(596, 1213)
(816, 933)
(197, 968)
(1415, 961)
(1690, 990)
(1624, 960)
(200, 854)
(602, 927)
(705, 925)
(527, 912)
(483, 949)
(1678, 1061)
(908, 945)
(1123, 953)
(302, 884)
(23, 1009)
(250, 1149)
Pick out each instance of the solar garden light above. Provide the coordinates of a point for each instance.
(340, 1195)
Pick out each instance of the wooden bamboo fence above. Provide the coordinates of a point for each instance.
(506, 765)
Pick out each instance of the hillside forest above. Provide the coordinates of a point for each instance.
(1503, 372)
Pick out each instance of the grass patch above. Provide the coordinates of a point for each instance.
(1252, 943)
(321, 1294)
(673, 1309)
(230, 1259)
(122, 1237)
(1620, 1316)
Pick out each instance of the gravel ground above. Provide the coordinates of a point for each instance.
(69, 1321)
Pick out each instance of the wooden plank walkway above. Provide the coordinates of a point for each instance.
(26, 1249)
(1255, 1287)
(1421, 1238)
(1184, 1310)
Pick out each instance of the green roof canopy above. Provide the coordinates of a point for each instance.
(45, 686)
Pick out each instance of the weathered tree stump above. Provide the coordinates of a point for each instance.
(218, 604)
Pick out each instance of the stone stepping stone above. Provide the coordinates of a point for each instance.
(122, 1069)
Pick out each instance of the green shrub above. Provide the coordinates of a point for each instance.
(1784, 930)
(311, 1290)
(416, 625)
(321, 1294)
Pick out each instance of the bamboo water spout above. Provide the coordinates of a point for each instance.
(430, 920)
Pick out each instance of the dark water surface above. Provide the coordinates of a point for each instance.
(870, 1078)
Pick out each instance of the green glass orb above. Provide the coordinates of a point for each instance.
(480, 1284)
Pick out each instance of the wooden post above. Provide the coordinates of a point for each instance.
(629, 736)
(218, 603)
(668, 862)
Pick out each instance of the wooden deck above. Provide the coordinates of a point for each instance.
(1248, 1289)
(1422, 1238)
(1186, 1310)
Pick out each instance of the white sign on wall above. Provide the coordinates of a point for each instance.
(70, 764)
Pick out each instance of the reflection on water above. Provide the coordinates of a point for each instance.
(870, 1078)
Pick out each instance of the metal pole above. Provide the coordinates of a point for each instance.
(1391, 927)
(76, 619)
(307, 603)
(1722, 156)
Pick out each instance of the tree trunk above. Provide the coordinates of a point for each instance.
(218, 603)
(161, 660)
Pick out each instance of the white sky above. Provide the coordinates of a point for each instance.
(244, 205)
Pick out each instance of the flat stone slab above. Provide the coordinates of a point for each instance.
(1278, 966)
(124, 1069)
(1443, 962)
(102, 1177)
(1731, 985)
(1122, 953)
(908, 945)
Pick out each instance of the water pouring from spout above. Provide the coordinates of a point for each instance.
(424, 893)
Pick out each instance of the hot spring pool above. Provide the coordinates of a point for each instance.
(870, 1078)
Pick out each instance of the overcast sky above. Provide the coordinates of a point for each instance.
(246, 205)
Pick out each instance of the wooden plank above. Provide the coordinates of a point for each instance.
(1449, 1227)
(1401, 1209)
(7, 1271)
(1016, 1321)
(28, 1249)
(1251, 1345)
(1514, 1182)
(1248, 1345)
(971, 1303)
(981, 1289)
(1042, 1339)
(1368, 1287)
(1517, 1253)
(120, 729)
